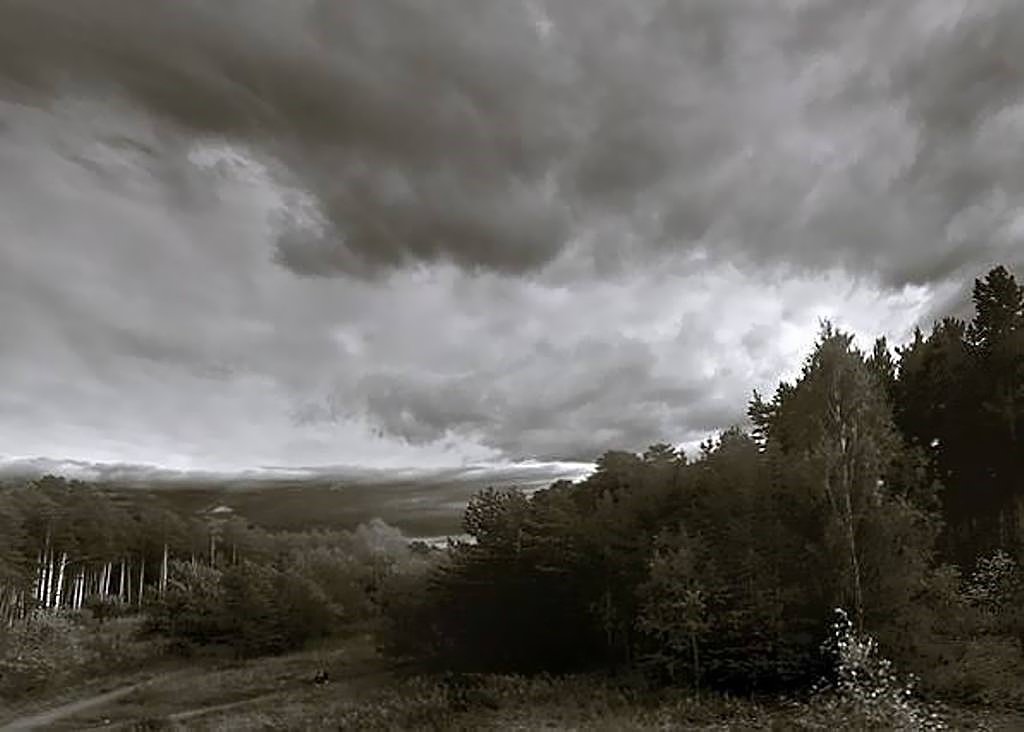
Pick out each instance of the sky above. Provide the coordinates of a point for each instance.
(416, 235)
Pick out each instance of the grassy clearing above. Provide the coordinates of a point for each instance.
(90, 659)
(366, 693)
(205, 685)
(510, 703)
(376, 700)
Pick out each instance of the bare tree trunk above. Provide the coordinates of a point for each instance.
(42, 596)
(851, 542)
(81, 589)
(44, 579)
(51, 579)
(40, 576)
(58, 595)
(123, 588)
(163, 572)
(843, 504)
(142, 578)
(847, 445)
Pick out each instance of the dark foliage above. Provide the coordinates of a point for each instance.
(726, 571)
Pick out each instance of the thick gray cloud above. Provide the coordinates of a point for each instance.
(387, 233)
(876, 136)
(424, 133)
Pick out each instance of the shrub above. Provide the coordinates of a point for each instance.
(994, 590)
(38, 653)
(191, 612)
(865, 692)
(974, 655)
(253, 608)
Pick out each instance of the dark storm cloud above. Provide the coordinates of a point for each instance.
(816, 133)
(563, 226)
(965, 91)
(424, 133)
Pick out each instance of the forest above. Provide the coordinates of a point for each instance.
(856, 546)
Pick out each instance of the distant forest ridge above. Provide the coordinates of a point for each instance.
(430, 509)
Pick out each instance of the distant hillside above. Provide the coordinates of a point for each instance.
(419, 510)
(421, 503)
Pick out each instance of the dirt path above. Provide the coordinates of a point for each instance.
(348, 683)
(50, 716)
(217, 708)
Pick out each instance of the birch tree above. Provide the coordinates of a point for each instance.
(836, 423)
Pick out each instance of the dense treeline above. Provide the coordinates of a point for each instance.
(280, 589)
(888, 484)
(65, 544)
(74, 554)
(958, 397)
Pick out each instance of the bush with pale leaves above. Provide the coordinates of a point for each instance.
(866, 692)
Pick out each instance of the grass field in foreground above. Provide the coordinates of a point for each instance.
(365, 692)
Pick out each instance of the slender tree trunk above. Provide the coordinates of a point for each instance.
(58, 595)
(163, 572)
(43, 595)
(142, 578)
(40, 576)
(847, 446)
(51, 579)
(843, 504)
(858, 595)
(44, 580)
